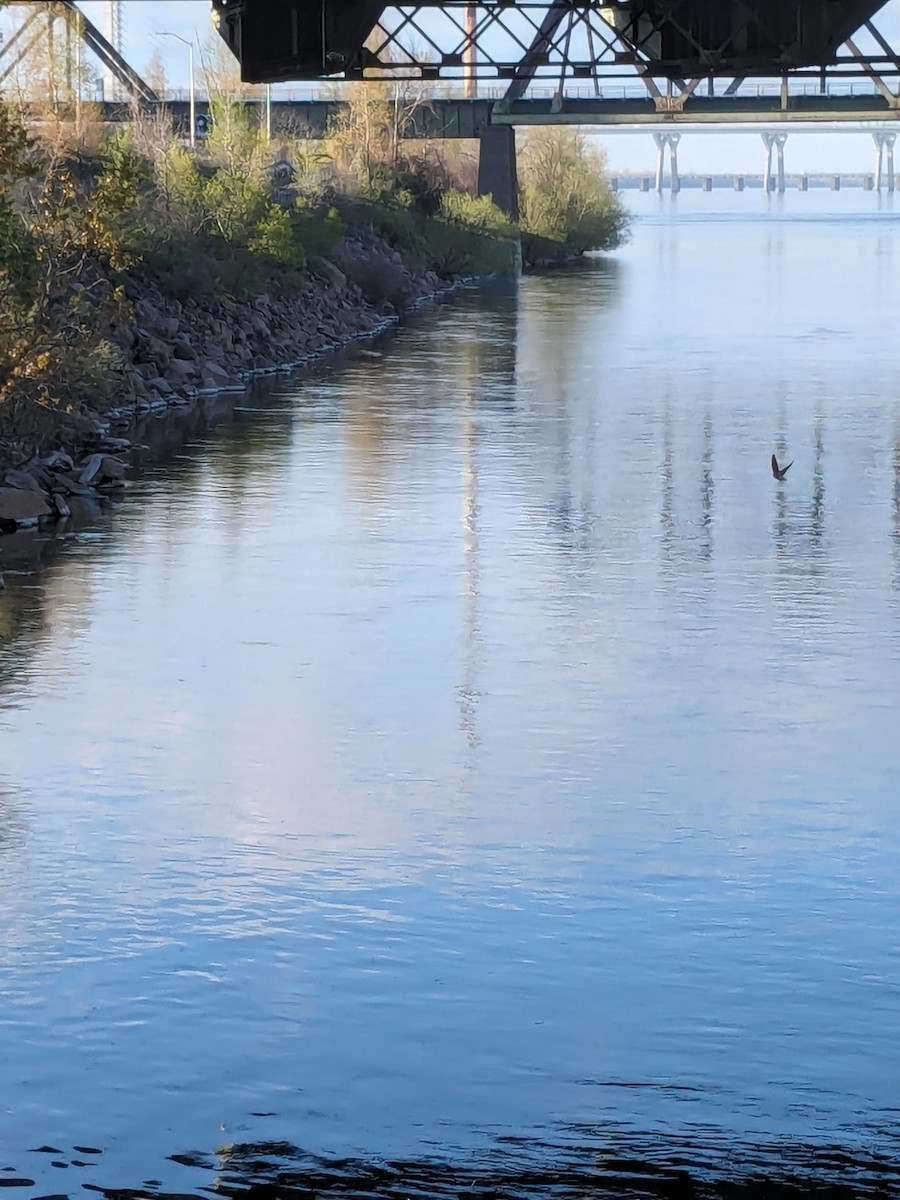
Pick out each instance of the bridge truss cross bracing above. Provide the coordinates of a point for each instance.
(36, 26)
(690, 58)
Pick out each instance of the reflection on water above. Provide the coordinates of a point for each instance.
(470, 765)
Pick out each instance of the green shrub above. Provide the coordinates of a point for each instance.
(476, 212)
(316, 231)
(275, 237)
(565, 199)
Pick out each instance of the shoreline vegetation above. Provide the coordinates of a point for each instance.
(136, 274)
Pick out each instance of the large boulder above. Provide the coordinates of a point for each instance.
(167, 327)
(184, 351)
(328, 271)
(215, 375)
(180, 370)
(154, 350)
(22, 506)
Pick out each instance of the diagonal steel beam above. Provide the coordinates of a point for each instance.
(22, 53)
(876, 34)
(892, 99)
(107, 53)
(541, 43)
(96, 42)
(7, 45)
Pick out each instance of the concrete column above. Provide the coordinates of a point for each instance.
(661, 140)
(767, 174)
(674, 139)
(835, 183)
(706, 183)
(779, 140)
(497, 175)
(803, 183)
(738, 183)
(884, 141)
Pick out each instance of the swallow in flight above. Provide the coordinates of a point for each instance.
(780, 472)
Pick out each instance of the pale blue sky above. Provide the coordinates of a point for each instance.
(698, 152)
(145, 18)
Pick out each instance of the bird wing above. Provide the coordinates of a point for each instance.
(774, 466)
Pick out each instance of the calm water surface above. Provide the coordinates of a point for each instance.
(474, 751)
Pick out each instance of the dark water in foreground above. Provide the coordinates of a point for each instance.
(473, 760)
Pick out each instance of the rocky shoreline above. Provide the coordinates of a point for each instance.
(175, 351)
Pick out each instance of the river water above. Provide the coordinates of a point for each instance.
(471, 757)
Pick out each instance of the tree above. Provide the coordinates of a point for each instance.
(366, 140)
(565, 196)
(155, 74)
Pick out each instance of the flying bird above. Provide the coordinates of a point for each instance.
(780, 472)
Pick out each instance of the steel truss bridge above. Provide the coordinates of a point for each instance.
(693, 59)
(633, 62)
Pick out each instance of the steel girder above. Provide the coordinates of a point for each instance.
(522, 41)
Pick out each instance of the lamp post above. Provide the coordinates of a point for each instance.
(190, 46)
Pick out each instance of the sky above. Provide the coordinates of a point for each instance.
(699, 152)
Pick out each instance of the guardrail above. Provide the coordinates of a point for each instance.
(280, 95)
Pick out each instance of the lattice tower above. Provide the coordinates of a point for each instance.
(115, 34)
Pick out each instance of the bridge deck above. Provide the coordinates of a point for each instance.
(460, 118)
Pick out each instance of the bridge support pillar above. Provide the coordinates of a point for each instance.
(884, 141)
(774, 141)
(497, 175)
(670, 140)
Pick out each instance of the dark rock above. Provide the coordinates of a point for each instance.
(123, 336)
(154, 350)
(167, 327)
(91, 469)
(22, 506)
(71, 485)
(112, 468)
(58, 460)
(328, 271)
(17, 478)
(184, 351)
(217, 373)
(179, 370)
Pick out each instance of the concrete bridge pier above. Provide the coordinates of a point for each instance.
(774, 141)
(671, 141)
(674, 177)
(497, 174)
(884, 141)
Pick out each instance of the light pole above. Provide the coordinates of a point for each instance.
(190, 46)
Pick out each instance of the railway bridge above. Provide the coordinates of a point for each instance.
(775, 62)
